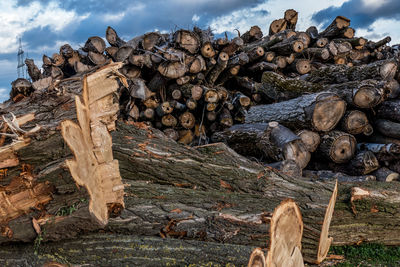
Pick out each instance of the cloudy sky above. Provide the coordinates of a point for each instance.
(45, 25)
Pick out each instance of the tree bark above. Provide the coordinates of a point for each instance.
(320, 111)
(206, 193)
(379, 70)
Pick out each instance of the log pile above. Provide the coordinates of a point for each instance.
(138, 118)
(327, 90)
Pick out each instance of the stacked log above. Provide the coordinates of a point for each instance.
(193, 87)
(319, 104)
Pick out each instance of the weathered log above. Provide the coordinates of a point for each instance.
(113, 39)
(33, 70)
(277, 26)
(384, 69)
(260, 140)
(257, 258)
(324, 175)
(388, 128)
(287, 167)
(187, 40)
(254, 34)
(390, 110)
(301, 66)
(214, 73)
(375, 45)
(110, 249)
(123, 54)
(291, 16)
(95, 44)
(363, 163)
(166, 173)
(334, 29)
(385, 175)
(338, 146)
(280, 143)
(310, 139)
(356, 122)
(96, 58)
(317, 53)
(321, 111)
(19, 88)
(288, 46)
(365, 94)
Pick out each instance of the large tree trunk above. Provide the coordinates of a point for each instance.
(207, 193)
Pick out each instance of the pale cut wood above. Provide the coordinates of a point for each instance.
(325, 240)
(93, 165)
(257, 258)
(286, 231)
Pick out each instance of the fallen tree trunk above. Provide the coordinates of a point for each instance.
(206, 193)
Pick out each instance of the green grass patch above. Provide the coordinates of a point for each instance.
(368, 255)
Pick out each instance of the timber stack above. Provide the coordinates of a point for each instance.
(333, 95)
(239, 125)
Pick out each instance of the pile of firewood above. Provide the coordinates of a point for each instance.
(321, 101)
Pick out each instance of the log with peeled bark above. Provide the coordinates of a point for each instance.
(383, 69)
(321, 111)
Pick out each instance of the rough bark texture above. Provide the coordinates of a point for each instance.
(321, 111)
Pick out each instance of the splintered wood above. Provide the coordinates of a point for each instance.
(91, 143)
(286, 231)
(21, 196)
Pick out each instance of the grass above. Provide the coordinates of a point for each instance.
(368, 255)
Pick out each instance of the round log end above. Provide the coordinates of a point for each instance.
(303, 66)
(327, 113)
(368, 96)
(310, 139)
(286, 230)
(298, 46)
(257, 258)
(343, 148)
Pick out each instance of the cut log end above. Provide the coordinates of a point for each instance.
(286, 230)
(257, 258)
(328, 112)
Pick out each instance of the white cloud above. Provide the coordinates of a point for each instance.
(195, 18)
(373, 4)
(15, 20)
(389, 25)
(245, 18)
(4, 94)
(114, 18)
